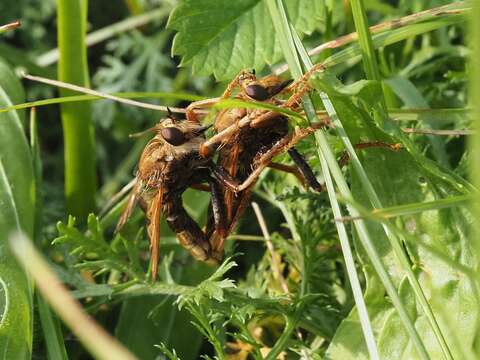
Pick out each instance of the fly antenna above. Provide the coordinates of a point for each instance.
(141, 133)
(99, 94)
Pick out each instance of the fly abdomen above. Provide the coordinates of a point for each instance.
(187, 230)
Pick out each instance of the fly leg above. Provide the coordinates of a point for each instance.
(262, 160)
(305, 169)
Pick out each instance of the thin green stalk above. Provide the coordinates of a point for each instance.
(349, 261)
(368, 52)
(123, 95)
(282, 22)
(78, 131)
(288, 46)
(283, 339)
(364, 39)
(52, 331)
(413, 208)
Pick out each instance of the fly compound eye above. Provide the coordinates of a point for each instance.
(173, 136)
(257, 92)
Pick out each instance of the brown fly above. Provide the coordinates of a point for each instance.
(246, 141)
(170, 163)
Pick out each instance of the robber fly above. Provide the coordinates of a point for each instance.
(170, 163)
(244, 150)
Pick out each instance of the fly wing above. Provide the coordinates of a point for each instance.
(132, 201)
(153, 213)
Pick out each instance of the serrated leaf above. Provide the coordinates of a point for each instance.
(222, 37)
(16, 214)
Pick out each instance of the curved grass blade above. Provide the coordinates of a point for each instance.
(82, 89)
(353, 53)
(126, 95)
(448, 10)
(410, 209)
(286, 40)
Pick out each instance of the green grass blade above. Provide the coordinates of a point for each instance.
(52, 331)
(371, 69)
(348, 255)
(78, 131)
(415, 208)
(352, 53)
(365, 41)
(281, 25)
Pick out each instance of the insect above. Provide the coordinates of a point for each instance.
(179, 157)
(245, 149)
(169, 164)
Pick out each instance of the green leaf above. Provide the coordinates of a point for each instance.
(436, 242)
(16, 214)
(221, 37)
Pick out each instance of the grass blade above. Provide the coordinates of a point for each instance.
(288, 46)
(415, 208)
(371, 69)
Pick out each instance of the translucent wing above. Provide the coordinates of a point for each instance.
(154, 212)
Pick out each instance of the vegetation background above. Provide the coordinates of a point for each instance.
(296, 293)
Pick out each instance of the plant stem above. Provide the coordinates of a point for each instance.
(78, 131)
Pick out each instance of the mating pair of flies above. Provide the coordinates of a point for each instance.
(245, 140)
(179, 156)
